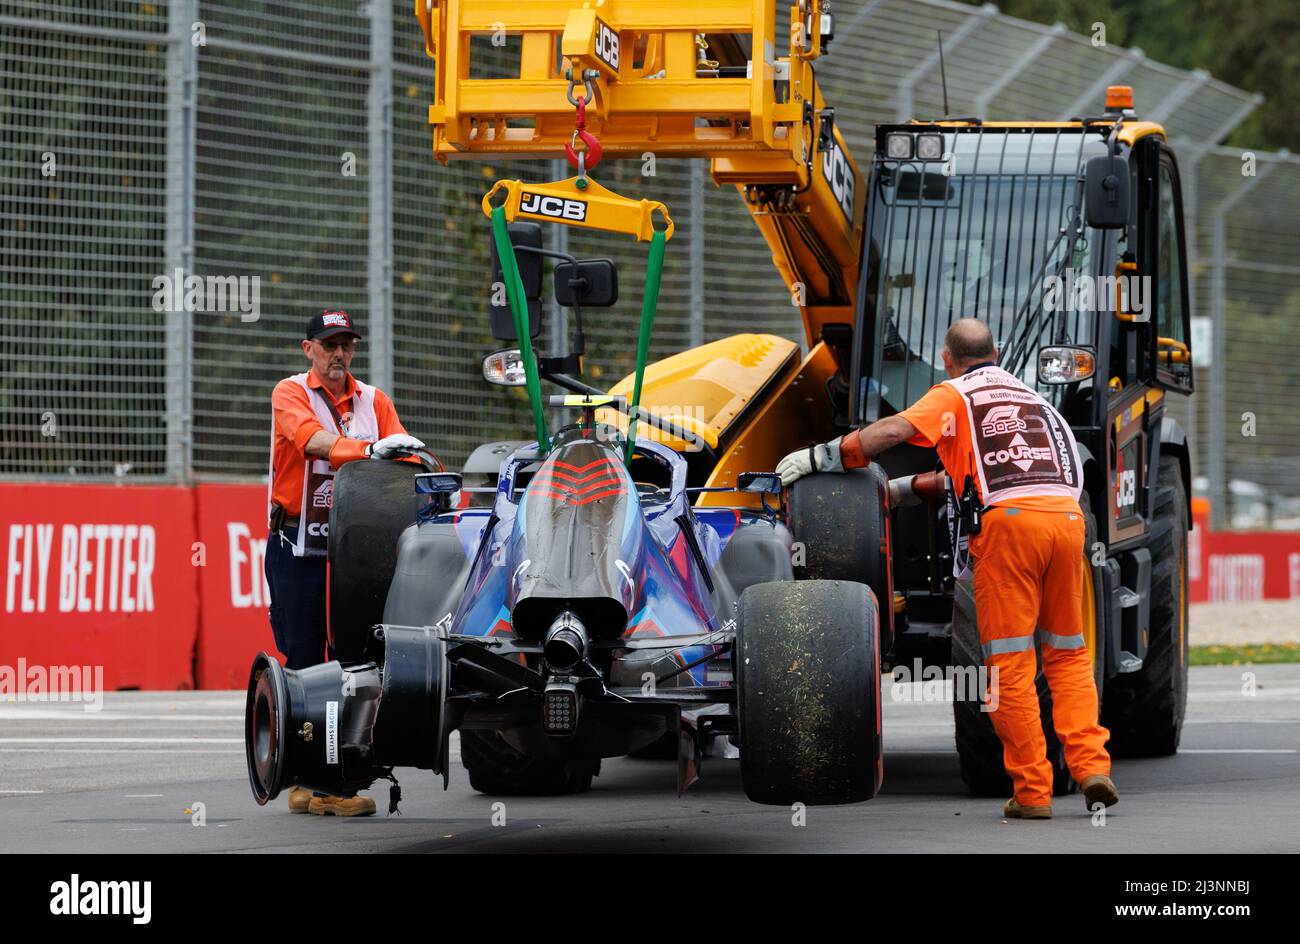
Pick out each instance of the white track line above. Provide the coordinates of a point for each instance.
(75, 714)
(118, 750)
(118, 740)
(1279, 750)
(21, 791)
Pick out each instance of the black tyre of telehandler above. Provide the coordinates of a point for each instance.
(1144, 709)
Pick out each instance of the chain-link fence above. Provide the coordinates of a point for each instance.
(281, 152)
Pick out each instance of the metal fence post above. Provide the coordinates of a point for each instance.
(1091, 96)
(907, 88)
(1194, 82)
(379, 133)
(182, 79)
(696, 305)
(1190, 168)
(1191, 214)
(1219, 329)
(1023, 62)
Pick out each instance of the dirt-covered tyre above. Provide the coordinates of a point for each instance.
(979, 751)
(841, 524)
(498, 769)
(1144, 709)
(808, 679)
(373, 503)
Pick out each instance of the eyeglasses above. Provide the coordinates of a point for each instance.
(331, 346)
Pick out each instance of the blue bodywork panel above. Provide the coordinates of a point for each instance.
(579, 527)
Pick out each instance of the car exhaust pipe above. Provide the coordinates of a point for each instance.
(566, 641)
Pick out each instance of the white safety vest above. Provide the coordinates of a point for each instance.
(1023, 448)
(318, 474)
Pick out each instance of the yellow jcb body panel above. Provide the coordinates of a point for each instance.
(707, 388)
(748, 396)
(789, 418)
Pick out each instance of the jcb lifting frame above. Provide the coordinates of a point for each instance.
(736, 85)
(578, 201)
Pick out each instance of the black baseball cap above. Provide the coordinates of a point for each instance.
(330, 323)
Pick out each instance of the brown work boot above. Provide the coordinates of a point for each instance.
(1013, 810)
(341, 806)
(299, 799)
(1098, 789)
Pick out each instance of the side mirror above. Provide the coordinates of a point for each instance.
(592, 283)
(764, 482)
(505, 368)
(437, 483)
(1106, 193)
(523, 236)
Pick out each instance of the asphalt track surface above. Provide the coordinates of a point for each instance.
(122, 779)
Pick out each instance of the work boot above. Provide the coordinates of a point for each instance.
(341, 806)
(1013, 810)
(1098, 789)
(299, 799)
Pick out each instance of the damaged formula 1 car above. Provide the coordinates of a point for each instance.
(583, 606)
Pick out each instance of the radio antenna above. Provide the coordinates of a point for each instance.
(943, 75)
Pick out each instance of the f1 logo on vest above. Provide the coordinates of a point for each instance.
(556, 207)
(323, 497)
(1002, 420)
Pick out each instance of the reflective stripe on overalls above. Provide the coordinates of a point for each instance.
(997, 647)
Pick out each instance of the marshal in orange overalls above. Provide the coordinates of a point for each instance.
(1028, 563)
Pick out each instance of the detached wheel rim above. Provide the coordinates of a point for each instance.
(264, 733)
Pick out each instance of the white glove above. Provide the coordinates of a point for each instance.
(914, 489)
(901, 494)
(801, 462)
(393, 447)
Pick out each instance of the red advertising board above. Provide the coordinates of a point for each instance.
(1240, 566)
(100, 575)
(233, 595)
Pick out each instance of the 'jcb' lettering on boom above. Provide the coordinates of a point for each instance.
(606, 44)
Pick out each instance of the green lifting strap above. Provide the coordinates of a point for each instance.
(654, 268)
(519, 309)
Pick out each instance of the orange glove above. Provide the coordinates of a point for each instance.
(851, 454)
(348, 450)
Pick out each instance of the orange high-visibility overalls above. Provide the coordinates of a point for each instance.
(1028, 561)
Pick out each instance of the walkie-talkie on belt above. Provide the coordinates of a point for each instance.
(970, 509)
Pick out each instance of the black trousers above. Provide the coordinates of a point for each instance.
(297, 602)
